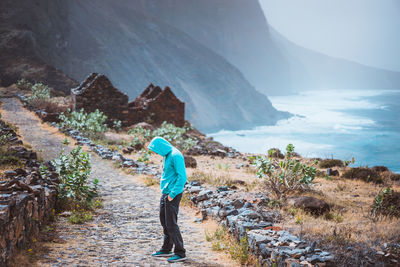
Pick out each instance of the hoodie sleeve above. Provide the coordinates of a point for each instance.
(179, 163)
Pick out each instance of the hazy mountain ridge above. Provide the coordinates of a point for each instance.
(239, 31)
(134, 49)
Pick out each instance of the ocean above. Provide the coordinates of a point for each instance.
(331, 124)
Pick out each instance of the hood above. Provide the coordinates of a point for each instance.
(160, 146)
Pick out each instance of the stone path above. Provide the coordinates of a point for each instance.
(126, 231)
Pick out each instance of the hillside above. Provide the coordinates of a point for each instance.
(241, 33)
(133, 49)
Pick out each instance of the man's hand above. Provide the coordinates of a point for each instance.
(170, 198)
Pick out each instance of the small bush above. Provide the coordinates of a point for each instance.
(175, 135)
(149, 181)
(239, 250)
(283, 176)
(89, 124)
(275, 153)
(80, 217)
(24, 84)
(74, 170)
(387, 204)
(117, 125)
(363, 173)
(329, 163)
(145, 156)
(39, 91)
(334, 217)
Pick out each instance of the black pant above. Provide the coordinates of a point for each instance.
(168, 218)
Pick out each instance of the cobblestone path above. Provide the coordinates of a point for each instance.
(126, 231)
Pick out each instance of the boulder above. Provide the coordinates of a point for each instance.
(332, 172)
(190, 162)
(311, 204)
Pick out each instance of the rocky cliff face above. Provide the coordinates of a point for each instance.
(239, 31)
(134, 49)
(24, 28)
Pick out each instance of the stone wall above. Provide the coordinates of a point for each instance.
(97, 92)
(154, 105)
(27, 200)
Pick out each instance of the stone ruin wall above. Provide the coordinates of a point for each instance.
(27, 201)
(154, 105)
(97, 92)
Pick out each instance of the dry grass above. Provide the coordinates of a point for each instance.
(349, 221)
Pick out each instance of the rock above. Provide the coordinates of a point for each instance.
(241, 182)
(10, 174)
(238, 203)
(195, 183)
(332, 172)
(190, 162)
(222, 188)
(203, 195)
(195, 189)
(238, 166)
(249, 214)
(128, 150)
(311, 204)
(219, 152)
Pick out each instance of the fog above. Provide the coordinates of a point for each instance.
(365, 31)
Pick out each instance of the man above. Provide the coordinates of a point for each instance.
(172, 182)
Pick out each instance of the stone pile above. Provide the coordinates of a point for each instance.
(27, 199)
(106, 153)
(209, 147)
(246, 216)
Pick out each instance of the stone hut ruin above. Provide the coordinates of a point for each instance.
(97, 92)
(154, 105)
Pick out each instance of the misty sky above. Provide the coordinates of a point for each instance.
(365, 31)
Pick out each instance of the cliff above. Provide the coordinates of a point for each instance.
(239, 31)
(134, 49)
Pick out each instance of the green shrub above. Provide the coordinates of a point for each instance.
(283, 176)
(89, 124)
(145, 156)
(117, 125)
(387, 204)
(239, 250)
(175, 135)
(74, 170)
(24, 84)
(80, 217)
(363, 173)
(40, 92)
(329, 163)
(275, 153)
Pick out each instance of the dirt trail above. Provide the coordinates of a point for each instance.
(126, 231)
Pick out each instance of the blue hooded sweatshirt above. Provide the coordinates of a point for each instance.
(174, 173)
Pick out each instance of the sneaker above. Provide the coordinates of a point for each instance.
(162, 254)
(176, 258)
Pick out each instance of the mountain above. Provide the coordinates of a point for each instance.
(239, 31)
(133, 49)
